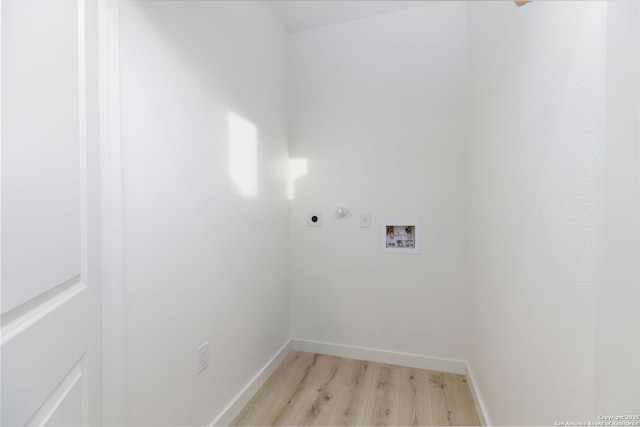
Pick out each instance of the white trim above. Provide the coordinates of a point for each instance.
(0, 164)
(82, 138)
(382, 356)
(113, 361)
(28, 314)
(477, 397)
(77, 375)
(238, 403)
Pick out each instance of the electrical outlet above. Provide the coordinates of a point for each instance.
(202, 357)
(314, 219)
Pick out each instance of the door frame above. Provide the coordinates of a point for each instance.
(113, 308)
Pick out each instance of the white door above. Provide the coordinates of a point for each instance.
(50, 214)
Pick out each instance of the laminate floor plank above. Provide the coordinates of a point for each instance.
(460, 400)
(276, 393)
(384, 397)
(439, 408)
(278, 414)
(311, 389)
(323, 400)
(268, 395)
(318, 397)
(415, 407)
(352, 399)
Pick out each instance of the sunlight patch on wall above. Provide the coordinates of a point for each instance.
(297, 169)
(243, 154)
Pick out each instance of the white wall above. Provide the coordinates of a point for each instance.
(542, 212)
(378, 111)
(618, 292)
(205, 257)
(537, 94)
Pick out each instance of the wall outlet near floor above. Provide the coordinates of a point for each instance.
(202, 357)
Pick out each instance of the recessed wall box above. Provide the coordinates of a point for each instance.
(400, 237)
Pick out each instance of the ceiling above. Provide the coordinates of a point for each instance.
(300, 15)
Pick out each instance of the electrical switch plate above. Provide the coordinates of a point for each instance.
(202, 357)
(314, 219)
(365, 220)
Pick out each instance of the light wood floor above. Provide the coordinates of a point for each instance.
(311, 389)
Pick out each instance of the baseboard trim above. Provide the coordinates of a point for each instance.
(477, 397)
(382, 356)
(237, 403)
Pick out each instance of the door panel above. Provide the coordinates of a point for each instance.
(50, 214)
(41, 111)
